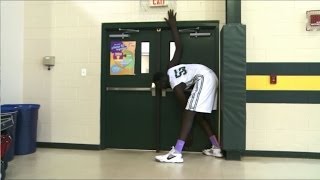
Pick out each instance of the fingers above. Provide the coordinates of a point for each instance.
(171, 16)
(171, 13)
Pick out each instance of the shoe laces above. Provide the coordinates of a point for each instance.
(173, 150)
(214, 147)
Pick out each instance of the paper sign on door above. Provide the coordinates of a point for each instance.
(122, 57)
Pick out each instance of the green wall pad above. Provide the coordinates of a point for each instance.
(233, 88)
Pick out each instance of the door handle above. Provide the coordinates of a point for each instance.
(153, 89)
(163, 92)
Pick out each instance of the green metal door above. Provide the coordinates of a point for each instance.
(127, 102)
(131, 118)
(200, 46)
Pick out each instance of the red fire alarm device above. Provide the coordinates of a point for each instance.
(313, 20)
(273, 79)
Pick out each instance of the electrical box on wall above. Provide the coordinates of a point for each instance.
(49, 61)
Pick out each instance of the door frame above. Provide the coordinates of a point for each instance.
(141, 25)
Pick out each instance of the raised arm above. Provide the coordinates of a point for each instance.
(171, 21)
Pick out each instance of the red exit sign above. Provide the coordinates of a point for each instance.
(158, 3)
(313, 23)
(315, 20)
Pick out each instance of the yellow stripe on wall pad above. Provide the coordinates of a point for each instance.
(284, 83)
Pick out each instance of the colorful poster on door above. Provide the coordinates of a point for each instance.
(122, 57)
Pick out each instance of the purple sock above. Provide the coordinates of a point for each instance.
(179, 145)
(214, 141)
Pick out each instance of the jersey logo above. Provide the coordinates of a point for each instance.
(181, 71)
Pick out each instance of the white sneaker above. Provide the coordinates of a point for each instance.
(213, 151)
(172, 157)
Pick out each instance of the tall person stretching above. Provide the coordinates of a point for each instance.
(202, 101)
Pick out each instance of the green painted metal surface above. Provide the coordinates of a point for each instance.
(137, 120)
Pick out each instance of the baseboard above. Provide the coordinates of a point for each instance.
(285, 154)
(231, 155)
(68, 146)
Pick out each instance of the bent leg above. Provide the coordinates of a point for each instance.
(186, 125)
(215, 150)
(204, 121)
(187, 121)
(175, 155)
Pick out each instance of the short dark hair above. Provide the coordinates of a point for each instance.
(158, 76)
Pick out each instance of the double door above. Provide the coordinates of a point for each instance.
(134, 114)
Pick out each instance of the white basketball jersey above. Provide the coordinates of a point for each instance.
(186, 73)
(203, 97)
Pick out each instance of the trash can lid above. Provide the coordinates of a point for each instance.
(8, 108)
(22, 106)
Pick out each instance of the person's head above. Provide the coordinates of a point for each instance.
(160, 79)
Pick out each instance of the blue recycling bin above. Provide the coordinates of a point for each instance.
(26, 128)
(13, 111)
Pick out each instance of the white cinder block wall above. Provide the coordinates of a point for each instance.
(12, 21)
(71, 31)
(276, 33)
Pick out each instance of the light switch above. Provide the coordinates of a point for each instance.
(83, 72)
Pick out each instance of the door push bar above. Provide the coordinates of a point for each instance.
(194, 32)
(152, 89)
(119, 36)
(190, 29)
(129, 30)
(123, 34)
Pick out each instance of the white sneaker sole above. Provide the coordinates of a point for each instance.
(169, 161)
(207, 154)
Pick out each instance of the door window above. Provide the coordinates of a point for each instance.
(145, 57)
(172, 49)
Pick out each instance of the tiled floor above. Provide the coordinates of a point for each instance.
(125, 164)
